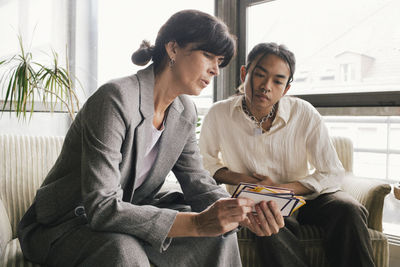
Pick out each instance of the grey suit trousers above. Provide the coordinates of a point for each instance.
(346, 238)
(84, 247)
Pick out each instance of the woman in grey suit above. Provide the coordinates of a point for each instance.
(100, 204)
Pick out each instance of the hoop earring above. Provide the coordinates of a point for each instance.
(171, 62)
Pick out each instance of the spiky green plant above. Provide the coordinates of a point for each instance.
(24, 79)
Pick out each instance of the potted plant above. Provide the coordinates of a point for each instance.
(25, 82)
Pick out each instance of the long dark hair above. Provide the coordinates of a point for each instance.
(207, 32)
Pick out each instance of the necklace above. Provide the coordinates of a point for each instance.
(259, 123)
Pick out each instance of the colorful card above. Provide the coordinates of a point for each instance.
(284, 198)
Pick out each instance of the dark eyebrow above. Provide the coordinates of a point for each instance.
(261, 68)
(281, 76)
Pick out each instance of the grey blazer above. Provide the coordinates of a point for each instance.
(92, 180)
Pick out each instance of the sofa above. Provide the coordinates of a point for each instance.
(25, 161)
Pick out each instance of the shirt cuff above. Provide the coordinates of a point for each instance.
(213, 169)
(313, 185)
(237, 229)
(164, 241)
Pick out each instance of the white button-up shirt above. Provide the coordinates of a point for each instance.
(296, 148)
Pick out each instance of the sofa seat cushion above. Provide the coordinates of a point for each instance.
(13, 256)
(5, 228)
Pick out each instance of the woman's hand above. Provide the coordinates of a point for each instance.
(222, 216)
(266, 221)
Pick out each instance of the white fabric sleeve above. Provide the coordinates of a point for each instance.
(209, 143)
(329, 172)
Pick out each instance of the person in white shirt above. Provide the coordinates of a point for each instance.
(262, 136)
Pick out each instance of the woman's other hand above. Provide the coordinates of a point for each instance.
(266, 221)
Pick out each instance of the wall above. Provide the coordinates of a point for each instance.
(42, 123)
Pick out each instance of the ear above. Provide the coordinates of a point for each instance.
(243, 73)
(286, 89)
(171, 49)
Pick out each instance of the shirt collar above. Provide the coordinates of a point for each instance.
(236, 104)
(283, 109)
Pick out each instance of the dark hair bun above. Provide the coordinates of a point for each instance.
(143, 55)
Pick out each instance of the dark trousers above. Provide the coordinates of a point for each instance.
(346, 239)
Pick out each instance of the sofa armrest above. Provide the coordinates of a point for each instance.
(5, 228)
(370, 193)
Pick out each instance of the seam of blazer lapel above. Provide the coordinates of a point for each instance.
(145, 83)
(146, 87)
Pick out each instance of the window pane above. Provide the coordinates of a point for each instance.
(340, 46)
(391, 215)
(370, 140)
(41, 25)
(123, 24)
(395, 136)
(370, 165)
(365, 134)
(394, 167)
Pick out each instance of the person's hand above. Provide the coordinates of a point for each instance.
(296, 187)
(264, 180)
(251, 179)
(267, 221)
(222, 216)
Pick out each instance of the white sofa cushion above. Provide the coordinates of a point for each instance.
(5, 228)
(24, 162)
(13, 256)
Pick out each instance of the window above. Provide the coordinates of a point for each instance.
(347, 72)
(357, 40)
(41, 25)
(122, 28)
(375, 141)
(327, 75)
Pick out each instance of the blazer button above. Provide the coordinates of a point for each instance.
(79, 211)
